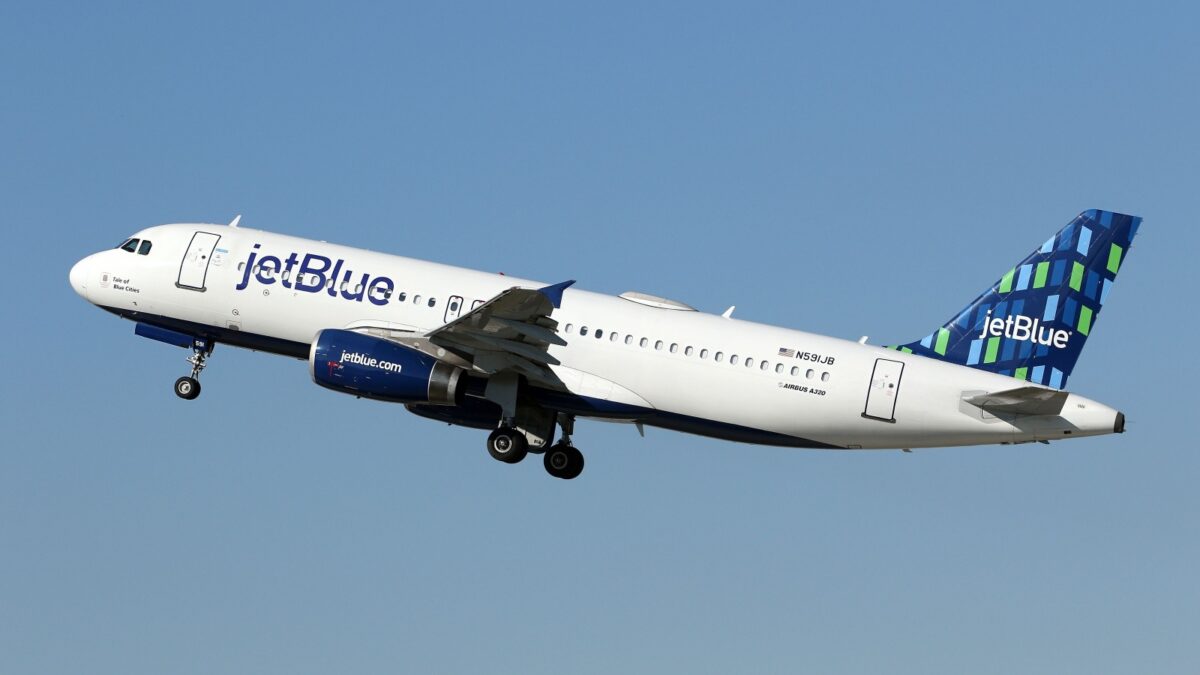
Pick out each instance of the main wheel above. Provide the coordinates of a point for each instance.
(507, 445)
(187, 388)
(563, 461)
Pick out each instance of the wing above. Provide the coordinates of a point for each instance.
(512, 331)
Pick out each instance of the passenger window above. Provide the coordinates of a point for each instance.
(628, 339)
(825, 377)
(810, 373)
(719, 357)
(130, 245)
(612, 337)
(658, 345)
(599, 333)
(144, 249)
(432, 302)
(570, 327)
(779, 367)
(764, 365)
(402, 297)
(749, 362)
(454, 306)
(241, 266)
(583, 330)
(674, 347)
(416, 299)
(733, 360)
(687, 351)
(795, 371)
(704, 353)
(643, 342)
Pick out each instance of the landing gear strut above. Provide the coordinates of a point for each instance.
(188, 388)
(563, 460)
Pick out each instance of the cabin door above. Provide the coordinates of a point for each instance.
(194, 268)
(884, 390)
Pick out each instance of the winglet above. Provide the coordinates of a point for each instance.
(554, 293)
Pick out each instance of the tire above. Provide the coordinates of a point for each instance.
(507, 445)
(563, 461)
(187, 388)
(576, 464)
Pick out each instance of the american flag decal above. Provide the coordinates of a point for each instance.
(784, 351)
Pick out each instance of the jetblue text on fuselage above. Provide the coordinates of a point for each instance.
(314, 273)
(1021, 327)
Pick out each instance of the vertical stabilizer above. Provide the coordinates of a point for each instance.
(1033, 322)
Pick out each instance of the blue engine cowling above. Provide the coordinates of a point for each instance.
(368, 366)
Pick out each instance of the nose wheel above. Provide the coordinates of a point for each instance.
(188, 388)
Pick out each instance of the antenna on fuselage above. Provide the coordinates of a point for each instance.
(236, 220)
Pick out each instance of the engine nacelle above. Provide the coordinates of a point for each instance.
(364, 365)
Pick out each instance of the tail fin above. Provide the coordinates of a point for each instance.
(1032, 323)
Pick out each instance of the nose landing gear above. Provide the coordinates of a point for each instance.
(188, 388)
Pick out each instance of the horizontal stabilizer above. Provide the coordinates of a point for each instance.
(1022, 401)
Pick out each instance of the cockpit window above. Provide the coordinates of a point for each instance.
(145, 247)
(129, 245)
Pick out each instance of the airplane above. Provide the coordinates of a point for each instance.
(525, 359)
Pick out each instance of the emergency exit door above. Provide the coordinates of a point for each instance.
(194, 269)
(453, 308)
(884, 390)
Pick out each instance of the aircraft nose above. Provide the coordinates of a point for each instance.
(79, 277)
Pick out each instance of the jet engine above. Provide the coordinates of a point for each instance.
(371, 367)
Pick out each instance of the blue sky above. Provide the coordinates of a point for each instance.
(843, 168)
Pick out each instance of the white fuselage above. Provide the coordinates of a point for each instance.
(662, 366)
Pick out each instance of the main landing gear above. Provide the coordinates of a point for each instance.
(562, 460)
(188, 388)
(507, 445)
